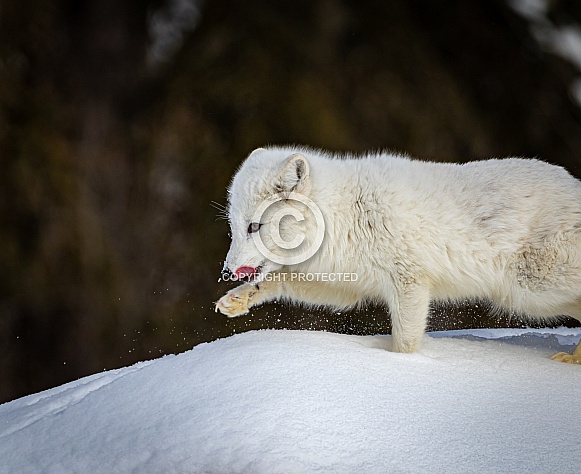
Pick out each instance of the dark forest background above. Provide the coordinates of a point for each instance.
(121, 122)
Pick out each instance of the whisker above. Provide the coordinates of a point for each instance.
(222, 210)
(219, 206)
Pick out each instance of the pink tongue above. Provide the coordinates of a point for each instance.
(242, 272)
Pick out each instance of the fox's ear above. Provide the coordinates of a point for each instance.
(294, 175)
(258, 150)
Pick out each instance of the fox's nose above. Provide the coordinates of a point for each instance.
(227, 274)
(242, 272)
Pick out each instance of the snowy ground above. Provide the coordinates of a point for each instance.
(292, 401)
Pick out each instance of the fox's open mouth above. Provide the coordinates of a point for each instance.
(247, 274)
(254, 277)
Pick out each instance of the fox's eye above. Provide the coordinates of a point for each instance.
(253, 227)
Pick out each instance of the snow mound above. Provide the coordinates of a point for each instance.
(296, 401)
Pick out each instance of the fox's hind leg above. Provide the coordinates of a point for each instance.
(574, 358)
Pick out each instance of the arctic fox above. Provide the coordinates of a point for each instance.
(311, 227)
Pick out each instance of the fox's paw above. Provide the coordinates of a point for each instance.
(568, 358)
(237, 301)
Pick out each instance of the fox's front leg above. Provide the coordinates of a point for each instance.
(409, 316)
(239, 300)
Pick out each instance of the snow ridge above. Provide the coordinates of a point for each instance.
(482, 401)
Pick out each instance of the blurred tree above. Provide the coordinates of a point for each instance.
(112, 148)
(69, 72)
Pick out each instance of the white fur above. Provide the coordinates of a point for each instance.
(508, 231)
